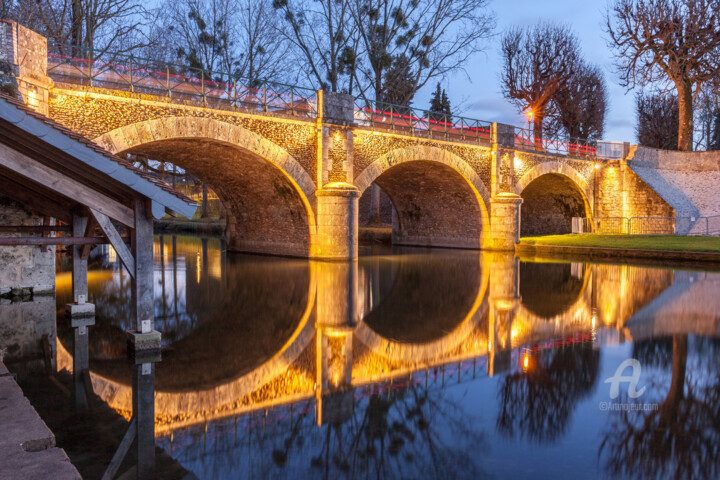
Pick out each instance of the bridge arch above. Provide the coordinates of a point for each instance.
(267, 194)
(439, 199)
(209, 400)
(469, 297)
(553, 193)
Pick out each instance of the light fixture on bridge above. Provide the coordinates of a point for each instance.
(597, 166)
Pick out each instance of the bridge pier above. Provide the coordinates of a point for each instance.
(504, 231)
(337, 315)
(504, 298)
(337, 223)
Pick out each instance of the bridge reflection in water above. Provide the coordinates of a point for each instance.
(407, 363)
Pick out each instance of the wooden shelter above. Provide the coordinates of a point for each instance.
(60, 175)
(78, 189)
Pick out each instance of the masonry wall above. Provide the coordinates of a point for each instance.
(24, 270)
(608, 190)
(640, 200)
(23, 325)
(93, 112)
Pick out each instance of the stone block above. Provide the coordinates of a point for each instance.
(80, 310)
(144, 341)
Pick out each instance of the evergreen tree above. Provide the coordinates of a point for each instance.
(446, 104)
(440, 105)
(399, 86)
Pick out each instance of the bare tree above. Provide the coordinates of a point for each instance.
(99, 25)
(260, 51)
(321, 31)
(538, 63)
(707, 121)
(672, 41)
(201, 32)
(657, 122)
(579, 109)
(431, 38)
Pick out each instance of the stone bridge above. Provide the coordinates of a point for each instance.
(290, 177)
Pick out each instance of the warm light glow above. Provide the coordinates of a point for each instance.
(530, 114)
(526, 361)
(597, 166)
(112, 254)
(33, 100)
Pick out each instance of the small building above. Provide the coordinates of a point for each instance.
(58, 188)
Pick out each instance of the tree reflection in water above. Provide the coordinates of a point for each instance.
(537, 403)
(412, 433)
(680, 439)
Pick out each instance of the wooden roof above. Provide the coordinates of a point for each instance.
(53, 170)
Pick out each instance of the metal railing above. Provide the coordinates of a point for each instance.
(525, 139)
(176, 82)
(700, 226)
(81, 66)
(421, 123)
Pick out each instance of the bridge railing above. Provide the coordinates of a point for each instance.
(421, 123)
(525, 139)
(80, 66)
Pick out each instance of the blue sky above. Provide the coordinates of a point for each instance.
(480, 96)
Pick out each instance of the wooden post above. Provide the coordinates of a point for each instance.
(143, 404)
(79, 264)
(143, 336)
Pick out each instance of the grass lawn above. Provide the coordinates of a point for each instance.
(641, 242)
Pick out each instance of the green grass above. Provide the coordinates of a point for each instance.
(640, 242)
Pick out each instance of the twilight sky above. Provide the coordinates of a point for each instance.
(480, 96)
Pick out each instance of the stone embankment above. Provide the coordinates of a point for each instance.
(687, 181)
(27, 446)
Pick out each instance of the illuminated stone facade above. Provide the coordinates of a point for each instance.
(267, 168)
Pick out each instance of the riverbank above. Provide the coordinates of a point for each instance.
(27, 446)
(666, 247)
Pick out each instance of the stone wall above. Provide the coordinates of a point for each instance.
(24, 270)
(25, 53)
(23, 325)
(686, 181)
(641, 200)
(94, 112)
(608, 190)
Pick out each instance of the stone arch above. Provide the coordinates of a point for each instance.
(436, 349)
(558, 182)
(438, 198)
(245, 169)
(207, 403)
(528, 326)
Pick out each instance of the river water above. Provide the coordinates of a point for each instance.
(412, 363)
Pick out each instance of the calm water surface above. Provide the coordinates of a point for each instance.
(413, 363)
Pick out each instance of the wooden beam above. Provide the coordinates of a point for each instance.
(35, 228)
(122, 450)
(19, 241)
(79, 265)
(143, 282)
(89, 232)
(115, 240)
(66, 186)
(34, 201)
